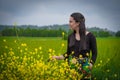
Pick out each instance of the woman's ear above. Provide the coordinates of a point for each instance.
(78, 23)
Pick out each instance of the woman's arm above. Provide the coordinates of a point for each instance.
(65, 55)
(93, 47)
(58, 57)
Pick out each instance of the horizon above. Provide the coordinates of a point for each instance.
(61, 24)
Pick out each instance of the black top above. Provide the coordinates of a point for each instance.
(73, 46)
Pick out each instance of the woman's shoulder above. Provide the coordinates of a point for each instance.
(90, 33)
(91, 36)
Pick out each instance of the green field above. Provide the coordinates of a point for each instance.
(18, 54)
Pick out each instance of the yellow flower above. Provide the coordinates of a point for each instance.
(41, 52)
(25, 53)
(50, 50)
(11, 49)
(14, 57)
(70, 76)
(18, 47)
(14, 41)
(100, 61)
(26, 49)
(53, 51)
(11, 53)
(95, 66)
(1, 76)
(80, 64)
(98, 64)
(6, 47)
(108, 59)
(21, 50)
(5, 54)
(80, 56)
(2, 62)
(4, 40)
(95, 78)
(73, 52)
(15, 24)
(65, 55)
(2, 56)
(63, 44)
(106, 78)
(74, 61)
(115, 75)
(40, 64)
(23, 44)
(63, 33)
(28, 58)
(86, 66)
(24, 59)
(87, 54)
(61, 71)
(36, 49)
(40, 48)
(108, 70)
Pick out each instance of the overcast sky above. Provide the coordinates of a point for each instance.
(100, 13)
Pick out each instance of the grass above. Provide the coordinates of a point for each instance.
(106, 67)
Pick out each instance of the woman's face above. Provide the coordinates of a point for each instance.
(73, 24)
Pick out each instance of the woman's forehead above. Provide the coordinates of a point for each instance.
(71, 18)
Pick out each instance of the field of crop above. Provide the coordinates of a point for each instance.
(26, 58)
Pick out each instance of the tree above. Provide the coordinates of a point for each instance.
(117, 34)
(104, 34)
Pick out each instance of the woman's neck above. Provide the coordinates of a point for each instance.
(77, 30)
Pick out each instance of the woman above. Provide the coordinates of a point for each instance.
(80, 42)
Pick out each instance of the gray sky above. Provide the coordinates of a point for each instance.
(100, 13)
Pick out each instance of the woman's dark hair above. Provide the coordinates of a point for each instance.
(78, 17)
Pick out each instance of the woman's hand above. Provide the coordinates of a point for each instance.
(55, 57)
(58, 57)
(90, 66)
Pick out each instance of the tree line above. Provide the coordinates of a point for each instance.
(28, 32)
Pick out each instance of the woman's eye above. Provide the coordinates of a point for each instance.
(70, 21)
